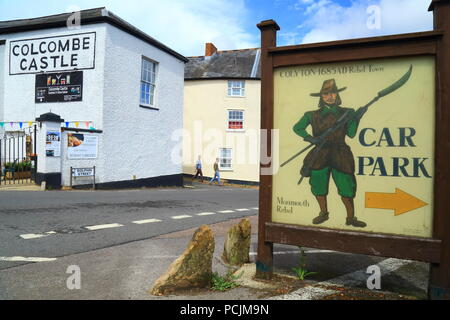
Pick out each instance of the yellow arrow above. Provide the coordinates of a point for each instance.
(400, 201)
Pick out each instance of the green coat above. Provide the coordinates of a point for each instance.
(335, 153)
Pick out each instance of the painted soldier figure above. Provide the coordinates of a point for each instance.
(330, 155)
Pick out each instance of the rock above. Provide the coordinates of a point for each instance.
(193, 269)
(236, 250)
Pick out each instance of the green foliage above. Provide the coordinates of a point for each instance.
(223, 283)
(301, 271)
(18, 166)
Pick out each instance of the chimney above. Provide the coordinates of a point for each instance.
(210, 49)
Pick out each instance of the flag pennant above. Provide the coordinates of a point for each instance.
(12, 124)
(76, 124)
(21, 125)
(87, 124)
(67, 124)
(30, 123)
(2, 124)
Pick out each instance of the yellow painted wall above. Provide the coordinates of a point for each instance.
(206, 105)
(411, 106)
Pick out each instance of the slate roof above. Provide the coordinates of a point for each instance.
(90, 16)
(232, 64)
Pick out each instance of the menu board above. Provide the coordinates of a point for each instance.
(59, 87)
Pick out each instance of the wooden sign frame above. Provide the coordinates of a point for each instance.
(436, 250)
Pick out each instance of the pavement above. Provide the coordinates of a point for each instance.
(128, 271)
(25, 186)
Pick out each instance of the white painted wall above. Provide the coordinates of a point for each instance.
(2, 84)
(137, 141)
(19, 90)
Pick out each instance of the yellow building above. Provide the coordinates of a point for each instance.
(222, 114)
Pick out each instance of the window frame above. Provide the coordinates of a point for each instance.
(154, 77)
(231, 87)
(230, 168)
(235, 120)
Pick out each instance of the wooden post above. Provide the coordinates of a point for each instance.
(264, 261)
(439, 283)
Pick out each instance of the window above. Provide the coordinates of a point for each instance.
(235, 120)
(225, 159)
(148, 80)
(236, 88)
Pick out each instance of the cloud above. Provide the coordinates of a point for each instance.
(184, 26)
(329, 21)
(288, 38)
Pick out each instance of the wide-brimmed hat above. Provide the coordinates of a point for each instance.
(328, 86)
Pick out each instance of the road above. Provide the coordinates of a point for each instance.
(54, 224)
(101, 231)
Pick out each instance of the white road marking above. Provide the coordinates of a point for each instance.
(226, 211)
(24, 259)
(146, 221)
(181, 217)
(298, 251)
(205, 213)
(36, 235)
(32, 236)
(256, 208)
(243, 209)
(104, 226)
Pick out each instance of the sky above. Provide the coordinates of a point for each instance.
(186, 25)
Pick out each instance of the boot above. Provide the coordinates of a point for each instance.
(355, 222)
(321, 218)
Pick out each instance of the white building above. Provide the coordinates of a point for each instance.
(105, 75)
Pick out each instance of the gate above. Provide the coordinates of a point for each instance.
(18, 160)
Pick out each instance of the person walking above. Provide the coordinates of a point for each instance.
(216, 173)
(198, 169)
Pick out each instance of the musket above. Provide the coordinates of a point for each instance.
(343, 120)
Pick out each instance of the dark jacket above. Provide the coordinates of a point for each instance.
(335, 153)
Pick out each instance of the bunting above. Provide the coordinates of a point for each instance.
(87, 124)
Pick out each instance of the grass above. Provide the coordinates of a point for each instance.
(223, 283)
(301, 271)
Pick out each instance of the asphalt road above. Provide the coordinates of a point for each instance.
(54, 224)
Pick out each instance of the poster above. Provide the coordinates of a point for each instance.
(53, 144)
(367, 169)
(82, 146)
(59, 87)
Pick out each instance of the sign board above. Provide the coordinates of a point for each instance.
(82, 146)
(360, 130)
(377, 168)
(53, 144)
(50, 54)
(59, 87)
(83, 172)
